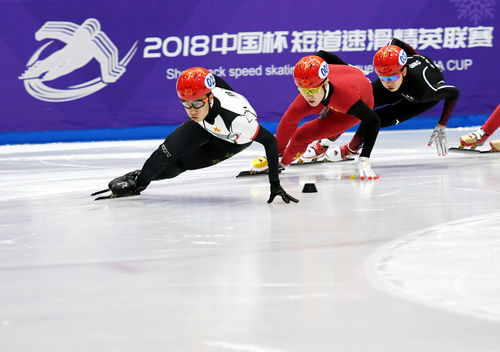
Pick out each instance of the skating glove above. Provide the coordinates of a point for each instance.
(439, 137)
(277, 190)
(364, 169)
(126, 184)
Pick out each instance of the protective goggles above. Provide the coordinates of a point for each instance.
(310, 91)
(197, 104)
(390, 78)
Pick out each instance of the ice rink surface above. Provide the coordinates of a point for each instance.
(410, 262)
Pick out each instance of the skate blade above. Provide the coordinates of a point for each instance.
(112, 196)
(462, 149)
(99, 192)
(251, 173)
(320, 161)
(256, 173)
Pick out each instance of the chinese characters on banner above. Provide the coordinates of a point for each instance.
(313, 40)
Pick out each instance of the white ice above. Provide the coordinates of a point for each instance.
(410, 262)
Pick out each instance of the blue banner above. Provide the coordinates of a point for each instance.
(87, 65)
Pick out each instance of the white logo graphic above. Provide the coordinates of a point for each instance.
(402, 57)
(210, 81)
(323, 70)
(83, 43)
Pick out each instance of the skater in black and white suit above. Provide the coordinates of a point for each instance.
(222, 123)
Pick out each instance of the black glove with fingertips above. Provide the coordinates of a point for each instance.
(277, 190)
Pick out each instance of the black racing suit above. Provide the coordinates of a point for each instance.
(422, 88)
(229, 128)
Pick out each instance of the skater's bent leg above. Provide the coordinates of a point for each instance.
(186, 139)
(479, 136)
(393, 114)
(211, 154)
(495, 145)
(493, 122)
(333, 124)
(289, 122)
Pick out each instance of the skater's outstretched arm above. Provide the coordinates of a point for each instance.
(270, 144)
(450, 96)
(371, 123)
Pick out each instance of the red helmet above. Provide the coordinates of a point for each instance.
(389, 60)
(194, 83)
(310, 72)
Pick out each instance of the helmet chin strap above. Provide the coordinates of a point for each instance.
(327, 90)
(211, 100)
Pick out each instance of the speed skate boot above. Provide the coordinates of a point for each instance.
(495, 146)
(328, 142)
(259, 164)
(313, 153)
(340, 153)
(473, 139)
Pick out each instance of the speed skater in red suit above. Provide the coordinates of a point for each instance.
(408, 84)
(342, 97)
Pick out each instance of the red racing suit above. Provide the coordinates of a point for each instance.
(493, 122)
(349, 100)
